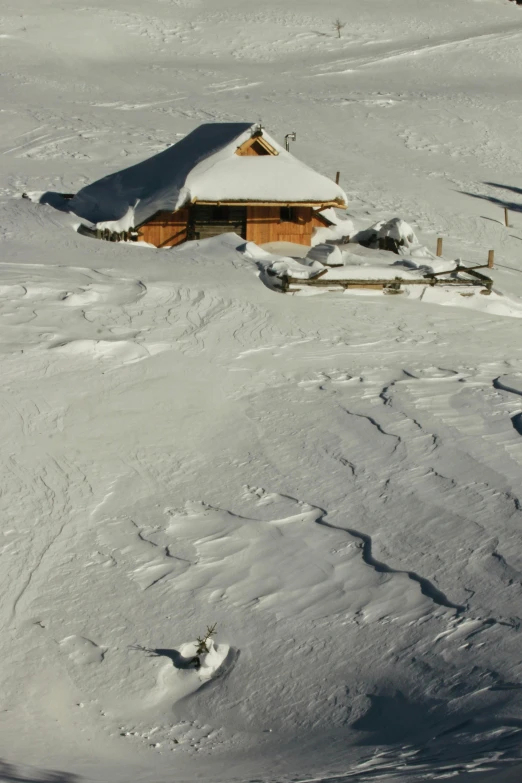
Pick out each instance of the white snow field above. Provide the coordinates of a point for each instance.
(334, 480)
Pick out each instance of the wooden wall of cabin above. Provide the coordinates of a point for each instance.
(264, 225)
(165, 229)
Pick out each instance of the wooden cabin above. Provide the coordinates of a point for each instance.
(221, 178)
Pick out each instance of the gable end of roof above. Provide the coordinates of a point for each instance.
(256, 145)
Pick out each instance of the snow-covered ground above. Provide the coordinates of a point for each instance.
(334, 480)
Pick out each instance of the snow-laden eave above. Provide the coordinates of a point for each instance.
(225, 177)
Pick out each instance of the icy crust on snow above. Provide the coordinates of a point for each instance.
(202, 166)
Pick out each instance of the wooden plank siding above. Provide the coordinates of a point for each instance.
(165, 229)
(264, 225)
(260, 224)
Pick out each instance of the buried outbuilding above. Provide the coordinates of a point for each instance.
(222, 177)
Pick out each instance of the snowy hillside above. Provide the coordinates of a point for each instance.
(332, 480)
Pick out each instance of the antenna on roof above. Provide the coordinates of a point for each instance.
(288, 138)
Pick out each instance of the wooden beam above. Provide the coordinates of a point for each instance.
(396, 282)
(318, 205)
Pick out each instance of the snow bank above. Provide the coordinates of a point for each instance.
(398, 230)
(394, 234)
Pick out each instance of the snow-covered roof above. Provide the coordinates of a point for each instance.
(204, 166)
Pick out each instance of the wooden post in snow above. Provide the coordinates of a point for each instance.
(337, 177)
(506, 217)
(439, 246)
(491, 258)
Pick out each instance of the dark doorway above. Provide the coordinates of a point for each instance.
(210, 221)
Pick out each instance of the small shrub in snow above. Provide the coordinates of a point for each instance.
(338, 26)
(203, 645)
(202, 642)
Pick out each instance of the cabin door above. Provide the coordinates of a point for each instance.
(210, 221)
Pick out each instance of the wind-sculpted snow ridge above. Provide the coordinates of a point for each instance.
(82, 315)
(400, 420)
(426, 587)
(273, 574)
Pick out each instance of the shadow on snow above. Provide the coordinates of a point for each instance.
(500, 201)
(10, 773)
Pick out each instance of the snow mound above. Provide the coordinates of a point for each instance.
(209, 662)
(181, 676)
(400, 231)
(328, 255)
(394, 234)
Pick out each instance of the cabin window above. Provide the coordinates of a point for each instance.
(288, 215)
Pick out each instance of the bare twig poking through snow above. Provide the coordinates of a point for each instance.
(338, 26)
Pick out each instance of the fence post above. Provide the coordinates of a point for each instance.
(491, 258)
(506, 217)
(439, 246)
(337, 177)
